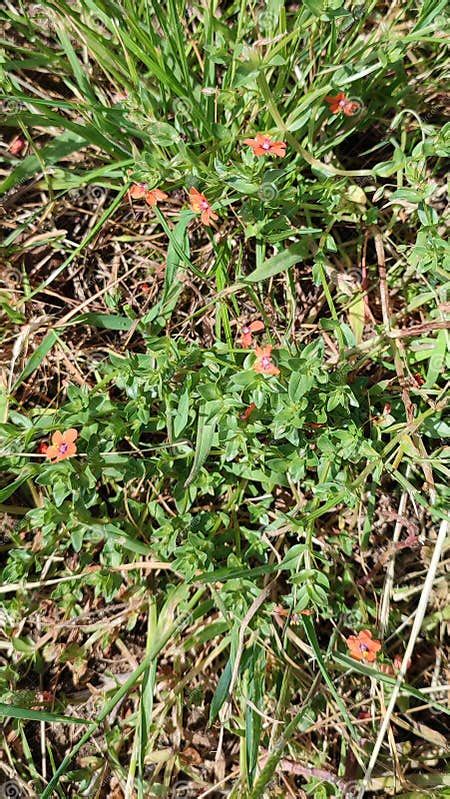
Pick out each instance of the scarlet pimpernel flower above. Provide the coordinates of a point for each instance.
(200, 205)
(152, 196)
(363, 646)
(342, 104)
(248, 330)
(63, 445)
(17, 145)
(263, 145)
(263, 363)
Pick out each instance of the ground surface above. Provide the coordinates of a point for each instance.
(178, 595)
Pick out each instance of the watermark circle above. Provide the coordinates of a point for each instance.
(355, 107)
(11, 106)
(267, 19)
(96, 192)
(267, 192)
(181, 107)
(183, 790)
(11, 790)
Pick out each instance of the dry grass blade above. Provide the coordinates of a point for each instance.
(415, 631)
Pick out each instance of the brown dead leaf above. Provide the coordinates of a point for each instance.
(191, 756)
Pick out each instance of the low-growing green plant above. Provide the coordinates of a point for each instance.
(225, 303)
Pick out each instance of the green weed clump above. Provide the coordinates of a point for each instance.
(223, 415)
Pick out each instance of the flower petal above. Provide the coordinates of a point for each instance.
(246, 340)
(279, 148)
(70, 436)
(52, 452)
(150, 198)
(137, 191)
(351, 108)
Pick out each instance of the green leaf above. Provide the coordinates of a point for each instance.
(105, 321)
(221, 692)
(177, 252)
(12, 487)
(206, 427)
(78, 71)
(293, 557)
(299, 385)
(61, 146)
(38, 356)
(120, 537)
(356, 313)
(13, 712)
(182, 414)
(77, 537)
(437, 359)
(280, 262)
(163, 134)
(4, 404)
(312, 638)
(362, 668)
(254, 685)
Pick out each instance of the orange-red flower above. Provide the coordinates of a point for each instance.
(152, 196)
(63, 445)
(137, 191)
(263, 145)
(248, 330)
(155, 196)
(363, 646)
(17, 145)
(248, 412)
(201, 206)
(42, 448)
(263, 363)
(342, 103)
